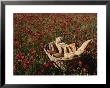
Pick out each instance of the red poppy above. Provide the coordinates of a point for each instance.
(32, 51)
(65, 33)
(26, 63)
(17, 45)
(20, 57)
(28, 31)
(42, 45)
(68, 19)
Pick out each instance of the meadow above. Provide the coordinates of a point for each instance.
(33, 31)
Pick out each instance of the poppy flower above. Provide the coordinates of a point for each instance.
(20, 57)
(26, 63)
(32, 51)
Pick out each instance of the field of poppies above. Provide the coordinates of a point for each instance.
(32, 31)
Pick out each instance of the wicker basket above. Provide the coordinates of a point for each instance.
(59, 62)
